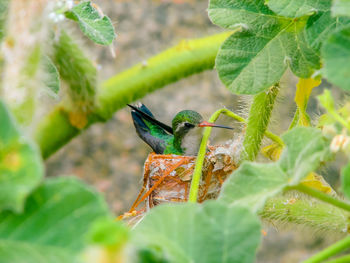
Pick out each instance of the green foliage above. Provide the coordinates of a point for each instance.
(298, 8)
(53, 225)
(320, 26)
(256, 58)
(95, 26)
(201, 233)
(51, 77)
(346, 180)
(21, 167)
(336, 54)
(253, 183)
(108, 232)
(341, 8)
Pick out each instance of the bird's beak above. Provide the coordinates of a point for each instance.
(208, 124)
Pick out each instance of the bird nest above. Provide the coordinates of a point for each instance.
(167, 178)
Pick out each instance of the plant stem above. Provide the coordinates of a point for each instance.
(330, 251)
(339, 118)
(185, 59)
(314, 214)
(259, 117)
(197, 173)
(268, 134)
(320, 195)
(343, 259)
(295, 120)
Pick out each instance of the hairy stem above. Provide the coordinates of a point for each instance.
(320, 195)
(330, 251)
(185, 59)
(314, 214)
(259, 117)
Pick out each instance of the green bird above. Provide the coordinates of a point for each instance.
(183, 138)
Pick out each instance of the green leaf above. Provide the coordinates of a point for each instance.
(298, 8)
(108, 233)
(345, 179)
(251, 15)
(51, 77)
(53, 225)
(95, 26)
(320, 26)
(244, 62)
(254, 59)
(210, 232)
(253, 183)
(341, 8)
(22, 252)
(336, 55)
(21, 167)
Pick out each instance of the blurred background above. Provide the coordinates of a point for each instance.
(110, 156)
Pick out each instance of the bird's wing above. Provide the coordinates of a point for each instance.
(150, 130)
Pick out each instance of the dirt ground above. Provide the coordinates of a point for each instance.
(110, 156)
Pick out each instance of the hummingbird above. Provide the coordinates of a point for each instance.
(182, 138)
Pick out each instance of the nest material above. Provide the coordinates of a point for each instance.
(167, 178)
(175, 186)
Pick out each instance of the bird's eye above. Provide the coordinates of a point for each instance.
(188, 125)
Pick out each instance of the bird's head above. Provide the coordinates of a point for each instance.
(187, 120)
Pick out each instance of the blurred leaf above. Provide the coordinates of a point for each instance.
(151, 255)
(272, 151)
(21, 167)
(304, 89)
(327, 100)
(108, 232)
(253, 183)
(298, 8)
(97, 27)
(22, 252)
(321, 25)
(210, 232)
(251, 61)
(341, 8)
(78, 71)
(345, 179)
(53, 225)
(106, 240)
(336, 54)
(51, 77)
(3, 16)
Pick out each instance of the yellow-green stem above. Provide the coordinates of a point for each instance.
(330, 251)
(343, 259)
(320, 195)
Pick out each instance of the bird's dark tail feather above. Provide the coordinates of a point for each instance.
(144, 113)
(138, 117)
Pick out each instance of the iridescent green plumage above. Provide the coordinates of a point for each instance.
(181, 139)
